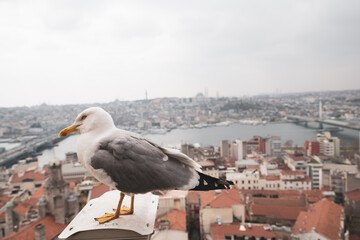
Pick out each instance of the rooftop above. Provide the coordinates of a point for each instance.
(52, 229)
(32, 175)
(176, 218)
(324, 217)
(353, 195)
(220, 231)
(99, 190)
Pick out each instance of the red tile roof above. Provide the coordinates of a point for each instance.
(272, 178)
(218, 232)
(39, 192)
(25, 206)
(226, 199)
(289, 172)
(28, 232)
(206, 197)
(299, 157)
(99, 190)
(176, 218)
(35, 176)
(277, 212)
(324, 217)
(353, 195)
(281, 208)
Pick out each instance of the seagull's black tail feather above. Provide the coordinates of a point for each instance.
(207, 182)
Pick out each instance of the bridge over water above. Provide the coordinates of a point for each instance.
(331, 122)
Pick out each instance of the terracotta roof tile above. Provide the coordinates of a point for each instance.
(220, 231)
(28, 232)
(289, 172)
(25, 206)
(177, 220)
(278, 212)
(353, 195)
(35, 176)
(99, 190)
(324, 217)
(206, 197)
(272, 178)
(226, 199)
(39, 192)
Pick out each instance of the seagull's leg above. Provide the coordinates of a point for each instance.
(125, 210)
(110, 216)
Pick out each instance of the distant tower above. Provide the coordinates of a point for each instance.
(224, 148)
(320, 109)
(217, 94)
(56, 192)
(146, 95)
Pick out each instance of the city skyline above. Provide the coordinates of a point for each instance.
(87, 52)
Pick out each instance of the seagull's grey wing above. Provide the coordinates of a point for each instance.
(137, 166)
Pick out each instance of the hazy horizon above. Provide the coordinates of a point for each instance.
(140, 99)
(66, 52)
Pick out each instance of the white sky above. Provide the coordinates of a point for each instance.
(69, 52)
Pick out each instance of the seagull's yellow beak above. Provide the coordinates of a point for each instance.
(68, 130)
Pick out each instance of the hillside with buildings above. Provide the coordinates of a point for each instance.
(281, 191)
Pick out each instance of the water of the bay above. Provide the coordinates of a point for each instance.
(212, 136)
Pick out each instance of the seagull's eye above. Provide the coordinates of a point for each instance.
(83, 117)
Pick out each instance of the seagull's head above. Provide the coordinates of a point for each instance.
(91, 119)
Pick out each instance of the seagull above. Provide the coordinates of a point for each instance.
(131, 163)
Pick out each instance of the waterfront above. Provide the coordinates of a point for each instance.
(212, 136)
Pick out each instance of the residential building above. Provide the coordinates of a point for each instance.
(252, 179)
(171, 225)
(341, 178)
(312, 148)
(295, 180)
(273, 146)
(238, 149)
(314, 171)
(220, 207)
(171, 200)
(329, 146)
(27, 180)
(257, 143)
(296, 161)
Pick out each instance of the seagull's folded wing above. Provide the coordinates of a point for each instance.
(137, 166)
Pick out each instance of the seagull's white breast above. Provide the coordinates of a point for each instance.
(87, 144)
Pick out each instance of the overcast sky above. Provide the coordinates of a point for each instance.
(69, 52)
